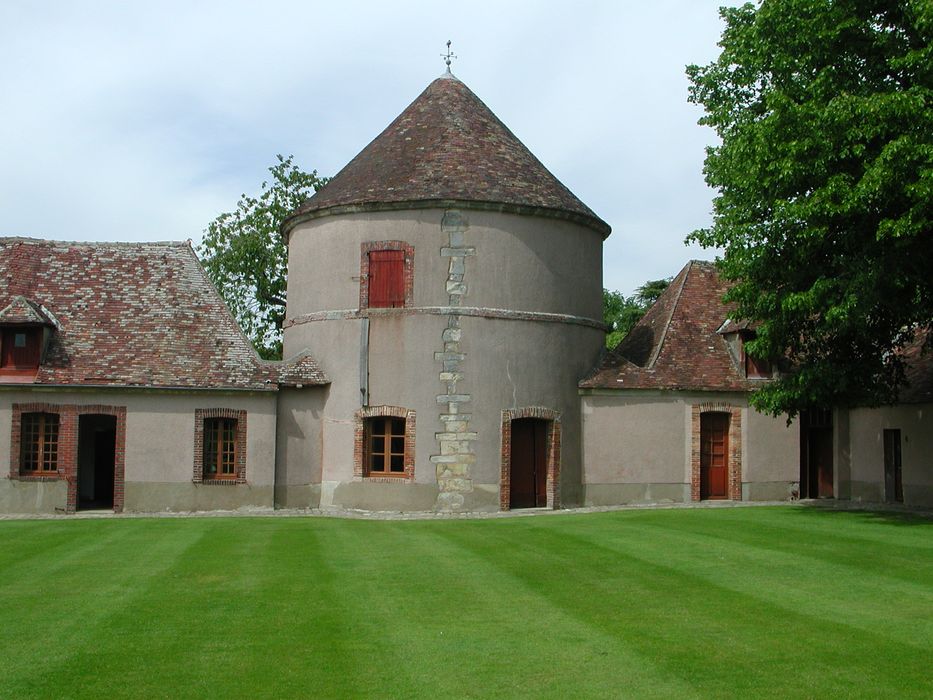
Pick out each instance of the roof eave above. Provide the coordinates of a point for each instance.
(299, 217)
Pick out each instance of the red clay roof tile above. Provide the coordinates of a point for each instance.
(676, 345)
(447, 147)
(135, 314)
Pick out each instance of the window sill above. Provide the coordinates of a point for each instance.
(38, 477)
(220, 482)
(384, 479)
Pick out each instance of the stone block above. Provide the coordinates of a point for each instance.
(456, 288)
(457, 252)
(451, 376)
(447, 356)
(455, 417)
(449, 502)
(453, 398)
(457, 266)
(455, 447)
(455, 436)
(455, 484)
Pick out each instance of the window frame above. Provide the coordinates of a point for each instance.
(204, 419)
(43, 442)
(361, 450)
(393, 429)
(220, 448)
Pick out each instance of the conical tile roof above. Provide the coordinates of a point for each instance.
(447, 149)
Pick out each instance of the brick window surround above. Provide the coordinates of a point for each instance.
(735, 448)
(553, 453)
(68, 416)
(359, 446)
(407, 271)
(240, 417)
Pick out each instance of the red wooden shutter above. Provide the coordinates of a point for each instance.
(387, 278)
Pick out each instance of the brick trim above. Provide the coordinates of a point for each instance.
(553, 453)
(68, 416)
(240, 417)
(359, 448)
(735, 447)
(408, 269)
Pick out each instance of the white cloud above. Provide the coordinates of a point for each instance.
(142, 121)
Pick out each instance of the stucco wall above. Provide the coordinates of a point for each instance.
(637, 447)
(521, 262)
(866, 451)
(772, 456)
(299, 445)
(512, 264)
(159, 456)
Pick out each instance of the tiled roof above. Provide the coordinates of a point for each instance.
(447, 147)
(301, 370)
(132, 314)
(22, 311)
(676, 344)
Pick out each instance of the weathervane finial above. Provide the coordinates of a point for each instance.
(449, 55)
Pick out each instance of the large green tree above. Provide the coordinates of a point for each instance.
(825, 186)
(246, 258)
(621, 313)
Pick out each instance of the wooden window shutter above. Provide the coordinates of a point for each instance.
(387, 278)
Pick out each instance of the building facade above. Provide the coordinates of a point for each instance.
(445, 349)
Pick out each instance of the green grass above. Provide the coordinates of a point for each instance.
(671, 603)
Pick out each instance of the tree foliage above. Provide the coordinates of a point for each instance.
(247, 259)
(825, 186)
(621, 313)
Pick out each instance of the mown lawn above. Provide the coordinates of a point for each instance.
(733, 602)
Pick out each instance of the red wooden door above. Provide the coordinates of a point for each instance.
(714, 455)
(528, 464)
(387, 278)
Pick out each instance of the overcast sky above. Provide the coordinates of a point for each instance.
(143, 121)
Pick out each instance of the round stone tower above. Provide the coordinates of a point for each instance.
(451, 288)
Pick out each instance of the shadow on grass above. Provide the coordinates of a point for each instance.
(875, 512)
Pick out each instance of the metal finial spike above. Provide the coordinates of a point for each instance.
(449, 55)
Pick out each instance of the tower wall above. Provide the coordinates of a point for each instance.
(503, 316)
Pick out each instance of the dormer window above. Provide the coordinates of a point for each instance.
(20, 348)
(754, 368)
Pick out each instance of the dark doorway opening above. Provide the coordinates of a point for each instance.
(714, 456)
(893, 486)
(816, 453)
(528, 463)
(97, 438)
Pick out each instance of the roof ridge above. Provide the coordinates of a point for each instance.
(677, 296)
(95, 244)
